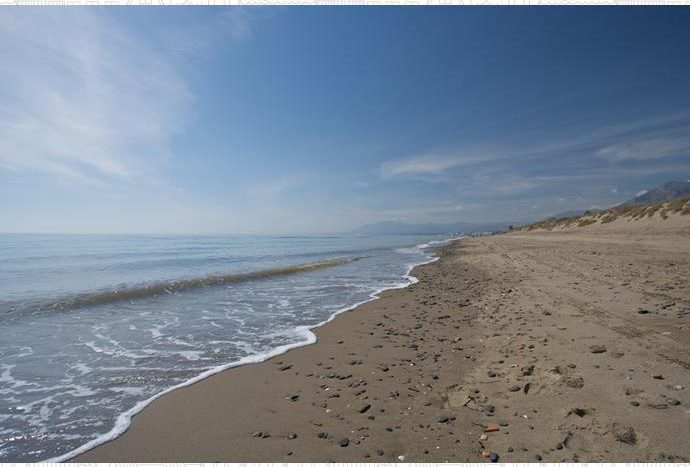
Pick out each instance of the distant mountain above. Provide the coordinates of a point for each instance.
(663, 192)
(398, 228)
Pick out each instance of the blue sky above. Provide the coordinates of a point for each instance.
(292, 120)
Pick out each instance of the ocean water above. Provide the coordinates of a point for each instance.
(92, 328)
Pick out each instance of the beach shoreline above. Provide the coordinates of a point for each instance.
(124, 420)
(522, 346)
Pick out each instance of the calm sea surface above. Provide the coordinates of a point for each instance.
(93, 327)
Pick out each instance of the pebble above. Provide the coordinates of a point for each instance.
(574, 382)
(323, 435)
(634, 403)
(672, 401)
(627, 436)
(443, 419)
(292, 436)
(657, 406)
(514, 388)
(597, 348)
(538, 457)
(364, 408)
(493, 457)
(345, 442)
(379, 452)
(491, 428)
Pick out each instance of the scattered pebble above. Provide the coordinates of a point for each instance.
(627, 436)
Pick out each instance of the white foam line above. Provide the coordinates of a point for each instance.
(124, 420)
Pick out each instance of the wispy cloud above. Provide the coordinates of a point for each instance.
(648, 149)
(531, 162)
(84, 99)
(427, 164)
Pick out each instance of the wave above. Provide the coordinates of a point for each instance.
(169, 287)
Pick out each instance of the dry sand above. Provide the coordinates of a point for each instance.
(554, 346)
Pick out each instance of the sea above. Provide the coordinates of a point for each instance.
(95, 327)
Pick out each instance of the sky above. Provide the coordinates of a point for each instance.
(265, 120)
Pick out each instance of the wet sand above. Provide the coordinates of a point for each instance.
(554, 346)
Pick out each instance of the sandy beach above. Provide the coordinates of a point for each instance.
(561, 345)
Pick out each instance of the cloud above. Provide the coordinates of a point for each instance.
(84, 99)
(649, 149)
(424, 165)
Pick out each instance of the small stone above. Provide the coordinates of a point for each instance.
(538, 457)
(294, 398)
(443, 419)
(379, 452)
(642, 311)
(559, 446)
(510, 449)
(292, 436)
(345, 442)
(401, 458)
(575, 382)
(364, 408)
(658, 377)
(627, 436)
(285, 367)
(483, 437)
(527, 371)
(658, 406)
(491, 428)
(634, 403)
(493, 457)
(491, 374)
(597, 348)
(323, 435)
(514, 388)
(488, 408)
(672, 401)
